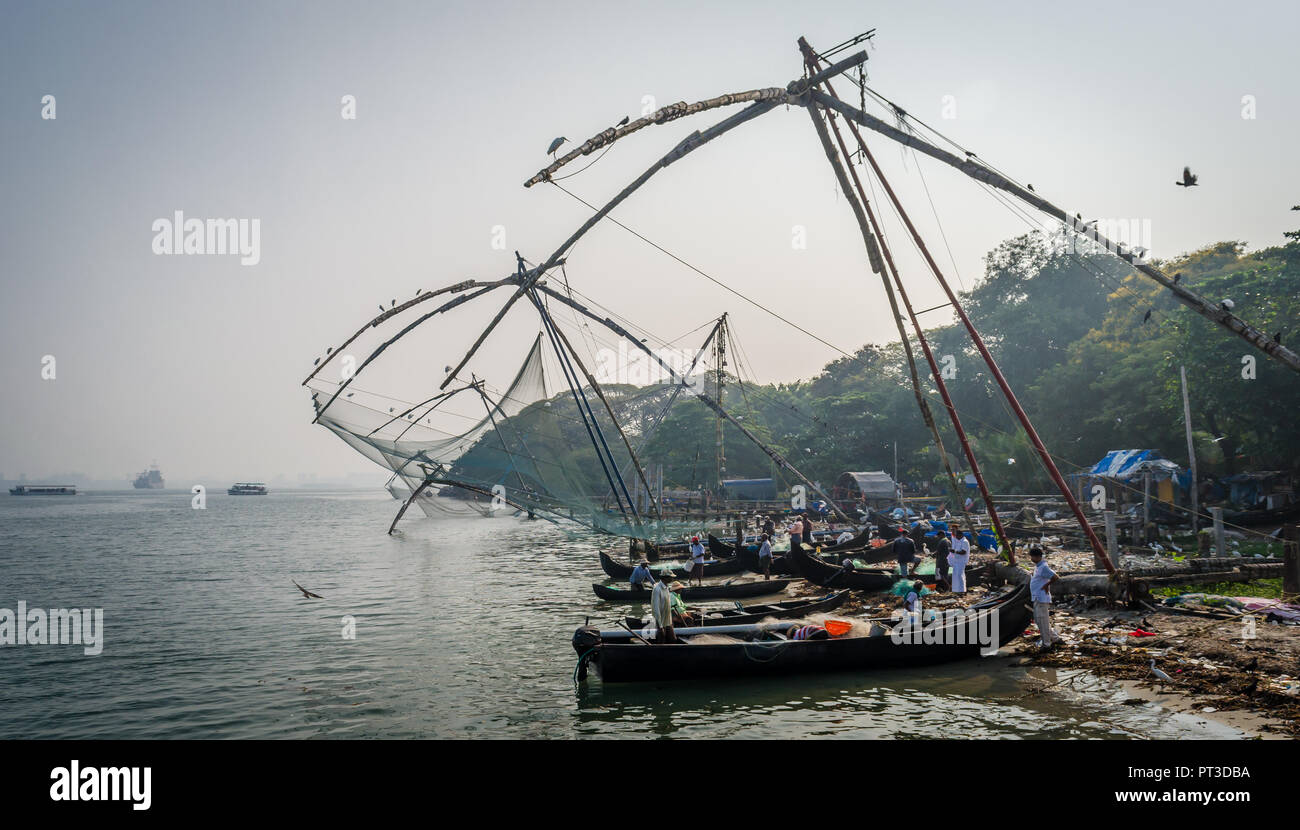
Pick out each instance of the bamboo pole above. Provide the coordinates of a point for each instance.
(1191, 452)
(1215, 312)
(892, 268)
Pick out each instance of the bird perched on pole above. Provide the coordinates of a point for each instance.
(555, 145)
(1159, 674)
(1189, 178)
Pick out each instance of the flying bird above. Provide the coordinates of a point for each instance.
(307, 594)
(555, 145)
(1159, 674)
(1189, 178)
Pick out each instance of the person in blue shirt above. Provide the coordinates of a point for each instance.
(641, 574)
(1040, 589)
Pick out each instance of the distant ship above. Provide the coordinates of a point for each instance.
(43, 490)
(150, 479)
(247, 489)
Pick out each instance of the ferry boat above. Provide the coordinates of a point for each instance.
(43, 490)
(150, 479)
(247, 489)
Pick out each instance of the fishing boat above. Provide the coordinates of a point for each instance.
(248, 489)
(1003, 616)
(730, 590)
(753, 614)
(833, 576)
(618, 570)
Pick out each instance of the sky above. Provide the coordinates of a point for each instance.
(236, 110)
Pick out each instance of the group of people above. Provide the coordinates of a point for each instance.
(951, 556)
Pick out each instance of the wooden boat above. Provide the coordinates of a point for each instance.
(1004, 615)
(751, 614)
(734, 590)
(831, 576)
(618, 570)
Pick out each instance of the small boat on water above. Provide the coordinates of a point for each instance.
(618, 570)
(753, 614)
(43, 490)
(732, 590)
(1002, 616)
(248, 489)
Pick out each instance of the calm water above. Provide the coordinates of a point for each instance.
(462, 630)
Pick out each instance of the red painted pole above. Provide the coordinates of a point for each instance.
(1099, 552)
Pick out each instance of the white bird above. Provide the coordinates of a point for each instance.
(555, 145)
(1228, 305)
(1159, 674)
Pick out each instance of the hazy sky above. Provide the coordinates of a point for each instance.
(233, 111)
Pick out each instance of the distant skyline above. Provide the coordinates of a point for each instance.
(238, 111)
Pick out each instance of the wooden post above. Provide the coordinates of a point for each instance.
(1291, 559)
(1146, 506)
(1112, 542)
(1220, 540)
(1191, 453)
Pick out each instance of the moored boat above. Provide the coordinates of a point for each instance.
(248, 489)
(1001, 617)
(618, 570)
(732, 590)
(752, 614)
(833, 576)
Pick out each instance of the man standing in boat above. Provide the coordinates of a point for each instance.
(641, 575)
(904, 550)
(697, 560)
(661, 606)
(1040, 589)
(765, 556)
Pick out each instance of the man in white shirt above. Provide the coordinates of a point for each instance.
(697, 560)
(958, 558)
(1040, 588)
(661, 605)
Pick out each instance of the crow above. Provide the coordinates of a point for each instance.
(623, 122)
(1146, 316)
(555, 145)
(1030, 188)
(1277, 338)
(1189, 178)
(1178, 277)
(307, 594)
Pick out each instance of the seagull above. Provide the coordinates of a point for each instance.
(555, 145)
(1189, 178)
(307, 594)
(1159, 674)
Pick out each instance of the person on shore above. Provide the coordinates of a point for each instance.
(765, 556)
(1040, 589)
(807, 530)
(641, 575)
(697, 560)
(769, 526)
(661, 606)
(941, 567)
(905, 552)
(958, 559)
(796, 531)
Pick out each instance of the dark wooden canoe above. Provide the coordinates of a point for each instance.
(750, 614)
(830, 576)
(1004, 616)
(618, 570)
(735, 590)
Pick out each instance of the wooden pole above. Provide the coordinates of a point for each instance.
(1146, 505)
(1191, 453)
(1220, 539)
(1291, 560)
(1112, 540)
(978, 341)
